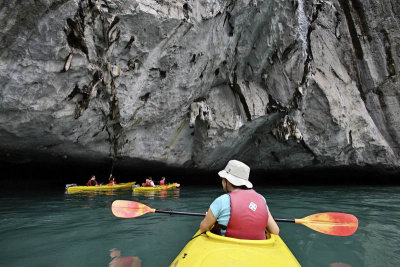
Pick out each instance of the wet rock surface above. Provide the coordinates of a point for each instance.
(277, 84)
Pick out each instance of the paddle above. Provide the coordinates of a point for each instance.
(330, 223)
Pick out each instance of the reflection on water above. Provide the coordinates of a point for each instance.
(339, 264)
(170, 193)
(113, 192)
(118, 261)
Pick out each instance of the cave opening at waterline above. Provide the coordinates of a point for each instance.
(39, 173)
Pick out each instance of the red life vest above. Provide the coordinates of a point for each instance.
(148, 183)
(162, 182)
(249, 215)
(89, 183)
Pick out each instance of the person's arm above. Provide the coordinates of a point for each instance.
(272, 227)
(208, 221)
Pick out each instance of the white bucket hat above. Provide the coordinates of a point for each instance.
(237, 173)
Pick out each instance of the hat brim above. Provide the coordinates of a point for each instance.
(234, 180)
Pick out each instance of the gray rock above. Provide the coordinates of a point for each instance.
(277, 84)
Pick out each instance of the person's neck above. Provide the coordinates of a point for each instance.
(233, 189)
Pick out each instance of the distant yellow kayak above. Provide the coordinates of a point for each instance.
(155, 188)
(83, 188)
(211, 250)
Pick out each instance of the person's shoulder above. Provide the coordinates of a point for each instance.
(260, 195)
(222, 198)
(219, 203)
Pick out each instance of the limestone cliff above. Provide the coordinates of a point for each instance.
(277, 84)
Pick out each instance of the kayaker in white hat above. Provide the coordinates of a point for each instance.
(242, 212)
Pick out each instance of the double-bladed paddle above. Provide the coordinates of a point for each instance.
(330, 223)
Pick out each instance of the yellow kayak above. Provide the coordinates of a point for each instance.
(84, 188)
(155, 188)
(211, 250)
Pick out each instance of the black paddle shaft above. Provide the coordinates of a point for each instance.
(285, 220)
(170, 212)
(180, 212)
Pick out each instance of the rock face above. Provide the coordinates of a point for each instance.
(277, 84)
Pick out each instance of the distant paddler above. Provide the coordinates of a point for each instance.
(149, 182)
(162, 181)
(92, 181)
(111, 180)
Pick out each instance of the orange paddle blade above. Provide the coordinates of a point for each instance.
(331, 223)
(129, 209)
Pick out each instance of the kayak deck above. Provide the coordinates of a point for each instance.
(209, 250)
(155, 188)
(84, 188)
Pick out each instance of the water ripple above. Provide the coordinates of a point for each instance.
(65, 229)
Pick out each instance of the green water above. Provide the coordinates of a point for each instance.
(49, 228)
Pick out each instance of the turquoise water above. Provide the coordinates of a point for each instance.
(49, 228)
